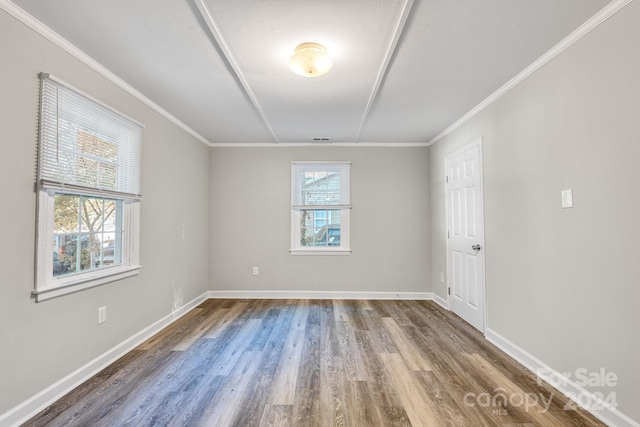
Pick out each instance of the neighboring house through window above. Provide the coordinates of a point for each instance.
(88, 192)
(320, 208)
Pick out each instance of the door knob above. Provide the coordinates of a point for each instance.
(476, 247)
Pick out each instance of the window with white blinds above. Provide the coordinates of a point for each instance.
(89, 192)
(320, 208)
(84, 143)
(320, 184)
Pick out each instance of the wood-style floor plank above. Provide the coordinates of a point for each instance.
(315, 363)
(276, 416)
(227, 318)
(408, 352)
(206, 324)
(413, 397)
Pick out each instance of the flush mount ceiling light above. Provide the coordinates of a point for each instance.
(310, 60)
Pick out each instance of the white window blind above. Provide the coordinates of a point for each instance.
(320, 185)
(86, 145)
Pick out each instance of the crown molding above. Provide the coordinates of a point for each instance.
(39, 27)
(318, 144)
(610, 10)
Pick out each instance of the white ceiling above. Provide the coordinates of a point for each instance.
(404, 70)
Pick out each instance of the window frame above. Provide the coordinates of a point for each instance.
(297, 169)
(48, 185)
(47, 285)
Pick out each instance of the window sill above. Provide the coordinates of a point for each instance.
(321, 252)
(80, 282)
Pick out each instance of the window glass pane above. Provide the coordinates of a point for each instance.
(320, 218)
(109, 213)
(91, 214)
(64, 254)
(321, 188)
(90, 251)
(326, 234)
(99, 243)
(109, 254)
(66, 209)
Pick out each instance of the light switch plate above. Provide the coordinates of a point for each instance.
(567, 198)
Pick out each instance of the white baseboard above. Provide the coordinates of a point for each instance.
(600, 409)
(321, 295)
(40, 401)
(441, 301)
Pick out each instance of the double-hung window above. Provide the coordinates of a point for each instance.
(88, 183)
(320, 208)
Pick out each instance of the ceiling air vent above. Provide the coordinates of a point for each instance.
(321, 139)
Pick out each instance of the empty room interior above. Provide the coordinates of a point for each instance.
(362, 213)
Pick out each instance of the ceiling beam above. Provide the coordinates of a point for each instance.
(224, 48)
(382, 72)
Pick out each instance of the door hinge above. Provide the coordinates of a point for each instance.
(449, 291)
(446, 178)
(448, 234)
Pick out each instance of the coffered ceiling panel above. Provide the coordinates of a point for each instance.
(403, 70)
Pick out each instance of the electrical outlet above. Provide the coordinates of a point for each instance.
(567, 198)
(102, 315)
(255, 271)
(442, 277)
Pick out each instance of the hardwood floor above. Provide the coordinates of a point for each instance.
(315, 363)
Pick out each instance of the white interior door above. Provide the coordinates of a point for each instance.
(465, 234)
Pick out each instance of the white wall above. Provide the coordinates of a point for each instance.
(41, 343)
(250, 222)
(564, 285)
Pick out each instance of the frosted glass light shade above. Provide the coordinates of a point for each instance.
(310, 60)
